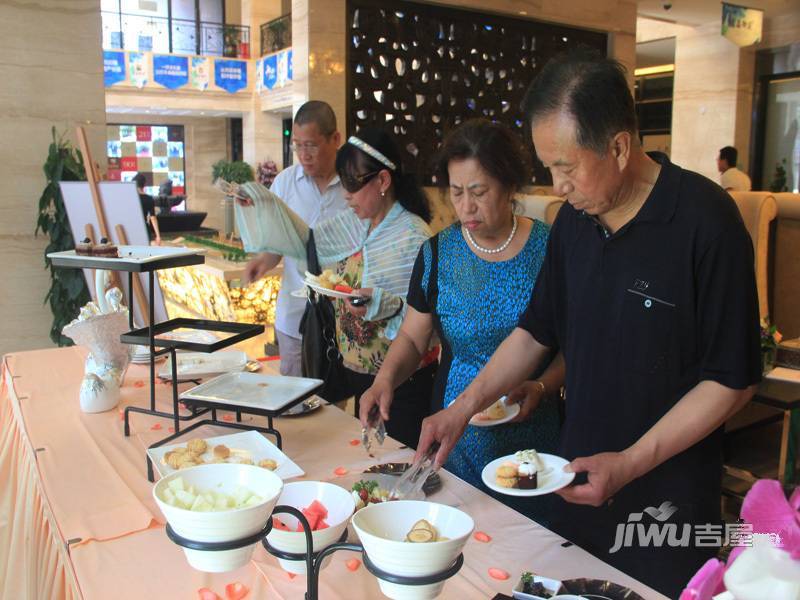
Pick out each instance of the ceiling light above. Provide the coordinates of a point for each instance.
(654, 70)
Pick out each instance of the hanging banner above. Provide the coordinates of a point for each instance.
(742, 25)
(113, 67)
(139, 68)
(170, 71)
(230, 75)
(199, 75)
(283, 69)
(259, 76)
(290, 68)
(270, 71)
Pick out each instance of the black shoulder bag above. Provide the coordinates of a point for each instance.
(320, 354)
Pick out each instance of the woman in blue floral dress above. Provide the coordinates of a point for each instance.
(470, 284)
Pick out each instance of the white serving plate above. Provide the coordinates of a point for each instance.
(327, 292)
(193, 365)
(253, 390)
(133, 254)
(511, 412)
(252, 445)
(549, 481)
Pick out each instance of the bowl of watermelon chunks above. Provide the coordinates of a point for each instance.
(328, 509)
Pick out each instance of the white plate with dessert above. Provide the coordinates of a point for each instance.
(247, 447)
(497, 414)
(123, 254)
(197, 365)
(526, 473)
(326, 282)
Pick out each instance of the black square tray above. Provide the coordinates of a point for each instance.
(239, 331)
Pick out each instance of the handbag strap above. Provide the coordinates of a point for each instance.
(312, 260)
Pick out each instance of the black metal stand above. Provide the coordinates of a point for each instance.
(313, 559)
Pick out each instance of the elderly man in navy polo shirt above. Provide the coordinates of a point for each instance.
(648, 289)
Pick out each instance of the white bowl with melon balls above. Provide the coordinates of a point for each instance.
(412, 539)
(218, 503)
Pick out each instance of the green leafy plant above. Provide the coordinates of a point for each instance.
(236, 171)
(68, 291)
(779, 178)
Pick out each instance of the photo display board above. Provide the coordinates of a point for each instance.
(157, 151)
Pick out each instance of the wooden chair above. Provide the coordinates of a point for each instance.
(758, 210)
(542, 208)
(786, 267)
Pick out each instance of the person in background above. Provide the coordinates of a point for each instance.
(148, 204)
(730, 178)
(470, 285)
(371, 247)
(648, 289)
(312, 189)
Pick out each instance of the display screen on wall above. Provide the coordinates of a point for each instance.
(157, 151)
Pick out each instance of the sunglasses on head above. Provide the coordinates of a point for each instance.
(353, 183)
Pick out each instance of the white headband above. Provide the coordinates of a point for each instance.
(364, 146)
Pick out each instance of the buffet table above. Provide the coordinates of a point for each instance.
(78, 519)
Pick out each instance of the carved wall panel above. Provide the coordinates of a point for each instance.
(418, 70)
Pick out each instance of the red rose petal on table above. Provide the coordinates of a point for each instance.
(339, 471)
(355, 442)
(171, 429)
(138, 383)
(290, 575)
(207, 594)
(500, 574)
(353, 564)
(121, 414)
(236, 591)
(228, 418)
(156, 427)
(482, 537)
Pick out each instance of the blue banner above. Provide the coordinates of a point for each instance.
(270, 71)
(230, 75)
(291, 67)
(170, 71)
(113, 67)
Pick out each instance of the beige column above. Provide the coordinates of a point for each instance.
(53, 72)
(712, 99)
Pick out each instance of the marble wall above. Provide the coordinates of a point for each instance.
(712, 97)
(52, 66)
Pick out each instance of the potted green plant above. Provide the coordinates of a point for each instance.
(236, 171)
(68, 291)
(770, 338)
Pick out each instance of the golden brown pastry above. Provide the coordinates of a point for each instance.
(268, 463)
(221, 451)
(197, 446)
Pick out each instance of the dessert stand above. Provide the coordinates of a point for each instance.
(167, 258)
(312, 559)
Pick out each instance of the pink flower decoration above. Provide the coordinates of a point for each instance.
(767, 508)
(706, 583)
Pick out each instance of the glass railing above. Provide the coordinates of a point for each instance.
(276, 34)
(174, 36)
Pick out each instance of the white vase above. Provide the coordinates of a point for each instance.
(98, 395)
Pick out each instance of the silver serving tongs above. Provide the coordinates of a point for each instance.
(374, 424)
(411, 482)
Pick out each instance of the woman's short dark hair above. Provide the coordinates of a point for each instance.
(498, 150)
(352, 162)
(589, 87)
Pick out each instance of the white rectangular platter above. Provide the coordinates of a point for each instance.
(252, 390)
(247, 444)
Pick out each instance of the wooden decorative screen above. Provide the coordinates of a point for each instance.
(418, 70)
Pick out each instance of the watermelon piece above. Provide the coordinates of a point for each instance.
(278, 524)
(340, 287)
(236, 591)
(319, 508)
(322, 525)
(312, 518)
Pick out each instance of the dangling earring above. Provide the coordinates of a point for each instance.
(383, 195)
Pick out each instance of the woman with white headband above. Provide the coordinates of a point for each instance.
(372, 247)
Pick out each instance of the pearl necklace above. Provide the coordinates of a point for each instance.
(501, 247)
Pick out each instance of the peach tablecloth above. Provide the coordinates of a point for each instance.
(78, 519)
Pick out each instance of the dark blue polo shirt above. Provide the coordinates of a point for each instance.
(642, 316)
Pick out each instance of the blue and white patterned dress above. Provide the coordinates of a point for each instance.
(475, 305)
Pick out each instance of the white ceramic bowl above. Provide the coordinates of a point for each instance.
(221, 526)
(300, 494)
(382, 529)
